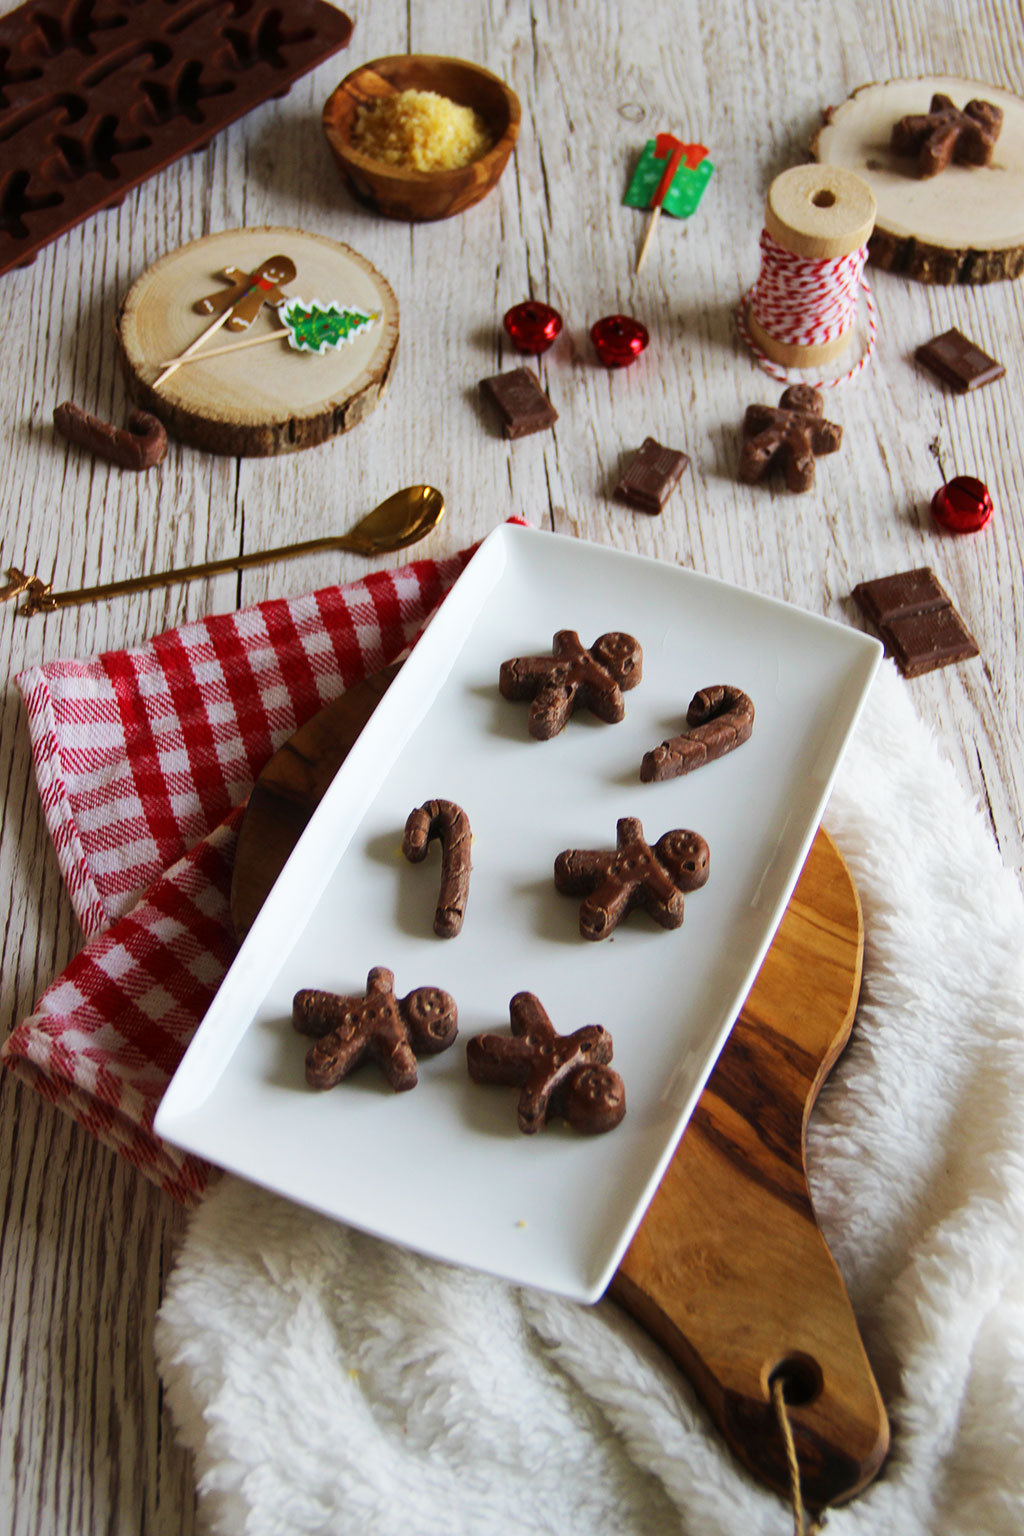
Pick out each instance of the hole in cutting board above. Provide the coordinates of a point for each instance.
(801, 1378)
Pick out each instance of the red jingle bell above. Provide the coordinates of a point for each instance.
(618, 340)
(963, 505)
(532, 326)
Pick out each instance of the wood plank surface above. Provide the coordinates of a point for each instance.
(84, 1243)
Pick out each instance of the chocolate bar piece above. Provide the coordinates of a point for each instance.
(651, 476)
(95, 98)
(915, 617)
(957, 361)
(521, 404)
(925, 641)
(896, 597)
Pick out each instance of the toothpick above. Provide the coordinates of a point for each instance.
(232, 346)
(652, 225)
(175, 363)
(671, 150)
(236, 346)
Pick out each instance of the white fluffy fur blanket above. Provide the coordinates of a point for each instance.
(330, 1383)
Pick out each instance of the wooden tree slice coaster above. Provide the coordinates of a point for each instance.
(965, 225)
(728, 1270)
(263, 399)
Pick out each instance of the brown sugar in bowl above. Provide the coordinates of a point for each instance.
(421, 195)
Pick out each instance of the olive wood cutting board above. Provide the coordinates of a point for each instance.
(728, 1269)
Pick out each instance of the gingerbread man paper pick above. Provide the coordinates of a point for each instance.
(249, 292)
(237, 307)
(633, 874)
(565, 1075)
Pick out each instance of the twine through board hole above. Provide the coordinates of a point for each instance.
(800, 1528)
(807, 302)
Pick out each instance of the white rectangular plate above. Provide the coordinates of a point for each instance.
(444, 1169)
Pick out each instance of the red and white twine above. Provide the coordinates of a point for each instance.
(807, 303)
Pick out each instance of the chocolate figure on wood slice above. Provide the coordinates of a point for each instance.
(720, 718)
(572, 675)
(944, 133)
(792, 433)
(566, 1075)
(390, 1031)
(632, 874)
(249, 292)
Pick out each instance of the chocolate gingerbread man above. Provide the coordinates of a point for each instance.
(791, 434)
(633, 874)
(571, 676)
(390, 1031)
(565, 1075)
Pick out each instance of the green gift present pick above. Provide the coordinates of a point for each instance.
(687, 187)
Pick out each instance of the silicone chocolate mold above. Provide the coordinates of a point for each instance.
(98, 95)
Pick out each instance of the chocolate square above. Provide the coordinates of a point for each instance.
(893, 597)
(651, 476)
(916, 619)
(924, 641)
(958, 361)
(521, 404)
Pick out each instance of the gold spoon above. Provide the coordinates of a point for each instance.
(401, 520)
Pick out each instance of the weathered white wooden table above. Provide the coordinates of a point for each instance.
(85, 1445)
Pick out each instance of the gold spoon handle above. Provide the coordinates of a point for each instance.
(39, 599)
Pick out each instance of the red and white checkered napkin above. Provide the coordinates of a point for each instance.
(144, 759)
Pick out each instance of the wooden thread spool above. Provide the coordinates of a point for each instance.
(819, 214)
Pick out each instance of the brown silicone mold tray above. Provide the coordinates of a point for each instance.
(97, 95)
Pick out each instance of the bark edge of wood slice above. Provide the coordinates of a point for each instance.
(965, 225)
(262, 400)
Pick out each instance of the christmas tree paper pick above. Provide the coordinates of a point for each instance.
(308, 327)
(320, 327)
(671, 175)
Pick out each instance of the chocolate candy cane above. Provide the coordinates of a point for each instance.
(720, 718)
(445, 820)
(139, 446)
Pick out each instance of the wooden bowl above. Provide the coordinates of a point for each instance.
(421, 195)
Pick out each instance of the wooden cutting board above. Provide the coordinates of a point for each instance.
(728, 1270)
